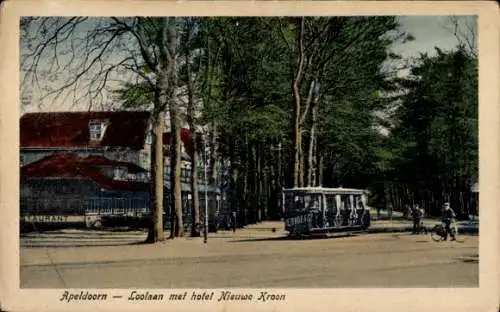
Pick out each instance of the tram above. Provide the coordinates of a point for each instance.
(319, 210)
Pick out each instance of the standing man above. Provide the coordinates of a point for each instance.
(417, 216)
(448, 215)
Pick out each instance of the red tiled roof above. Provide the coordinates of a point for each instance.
(185, 138)
(69, 165)
(70, 129)
(103, 161)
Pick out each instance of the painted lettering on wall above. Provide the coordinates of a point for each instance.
(44, 219)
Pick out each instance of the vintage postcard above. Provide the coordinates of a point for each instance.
(267, 156)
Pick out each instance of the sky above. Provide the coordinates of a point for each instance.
(429, 32)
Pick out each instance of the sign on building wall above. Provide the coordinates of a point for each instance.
(44, 219)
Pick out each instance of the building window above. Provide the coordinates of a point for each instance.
(149, 138)
(121, 156)
(145, 161)
(95, 130)
(120, 173)
(185, 174)
(166, 172)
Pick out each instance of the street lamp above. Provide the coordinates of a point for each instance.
(205, 231)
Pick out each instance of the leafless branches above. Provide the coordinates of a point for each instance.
(83, 59)
(464, 28)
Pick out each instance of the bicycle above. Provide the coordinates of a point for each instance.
(438, 232)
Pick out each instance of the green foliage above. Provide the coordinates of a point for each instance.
(135, 95)
(244, 68)
(437, 127)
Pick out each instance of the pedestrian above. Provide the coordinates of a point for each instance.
(409, 212)
(233, 221)
(448, 215)
(417, 216)
(422, 216)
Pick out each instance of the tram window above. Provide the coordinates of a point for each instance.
(346, 203)
(313, 203)
(307, 201)
(331, 203)
(360, 203)
(299, 204)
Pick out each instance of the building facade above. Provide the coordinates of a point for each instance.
(95, 155)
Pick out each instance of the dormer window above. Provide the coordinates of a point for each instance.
(120, 173)
(97, 128)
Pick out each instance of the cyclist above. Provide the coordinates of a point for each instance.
(448, 215)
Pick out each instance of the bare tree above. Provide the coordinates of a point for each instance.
(82, 59)
(464, 28)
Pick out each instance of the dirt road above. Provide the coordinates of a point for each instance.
(249, 261)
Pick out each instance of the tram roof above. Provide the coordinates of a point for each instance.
(331, 190)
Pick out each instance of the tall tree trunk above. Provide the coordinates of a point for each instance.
(267, 192)
(296, 93)
(176, 161)
(194, 151)
(310, 102)
(247, 184)
(252, 180)
(279, 182)
(195, 190)
(259, 180)
(234, 184)
(213, 178)
(155, 233)
(311, 174)
(302, 163)
(264, 185)
(321, 168)
(163, 96)
(241, 178)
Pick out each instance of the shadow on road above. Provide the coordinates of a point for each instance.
(291, 238)
(66, 245)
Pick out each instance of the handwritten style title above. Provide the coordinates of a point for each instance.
(261, 296)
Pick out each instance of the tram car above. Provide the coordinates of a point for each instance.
(319, 210)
